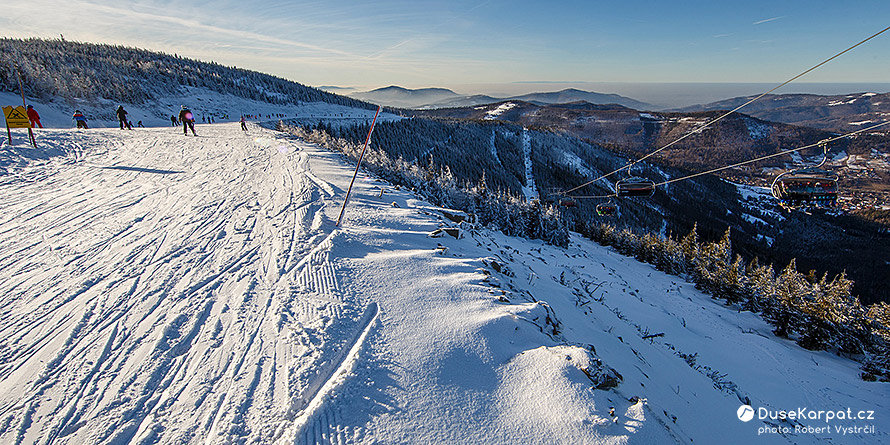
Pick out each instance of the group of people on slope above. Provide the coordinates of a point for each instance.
(34, 118)
(185, 116)
(81, 120)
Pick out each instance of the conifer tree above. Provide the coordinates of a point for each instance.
(781, 310)
(877, 363)
(689, 246)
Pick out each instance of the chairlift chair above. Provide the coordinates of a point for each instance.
(606, 209)
(568, 201)
(634, 186)
(807, 187)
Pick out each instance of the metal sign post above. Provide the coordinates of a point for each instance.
(357, 166)
(22, 92)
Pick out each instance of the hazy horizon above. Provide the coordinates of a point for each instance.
(663, 95)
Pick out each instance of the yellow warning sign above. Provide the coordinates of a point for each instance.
(16, 117)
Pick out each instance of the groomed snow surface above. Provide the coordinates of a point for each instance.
(161, 288)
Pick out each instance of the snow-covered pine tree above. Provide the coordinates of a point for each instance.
(781, 308)
(877, 361)
(689, 247)
(760, 285)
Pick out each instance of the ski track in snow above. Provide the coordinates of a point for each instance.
(179, 288)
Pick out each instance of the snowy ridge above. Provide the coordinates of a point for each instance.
(499, 110)
(758, 200)
(195, 290)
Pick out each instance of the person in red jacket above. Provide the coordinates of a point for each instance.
(34, 117)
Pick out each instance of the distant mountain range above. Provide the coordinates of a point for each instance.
(736, 138)
(431, 98)
(837, 113)
(842, 113)
(398, 97)
(575, 95)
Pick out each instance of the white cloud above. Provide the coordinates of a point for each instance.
(768, 20)
(96, 21)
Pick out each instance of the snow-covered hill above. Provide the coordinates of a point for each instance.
(73, 70)
(841, 113)
(395, 96)
(161, 288)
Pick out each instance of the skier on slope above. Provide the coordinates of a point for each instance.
(188, 120)
(34, 117)
(173, 120)
(122, 117)
(243, 123)
(80, 119)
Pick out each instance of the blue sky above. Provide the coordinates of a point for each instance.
(459, 43)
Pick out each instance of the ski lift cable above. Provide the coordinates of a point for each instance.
(709, 123)
(612, 195)
(751, 161)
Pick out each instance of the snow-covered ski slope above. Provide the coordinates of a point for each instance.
(204, 103)
(161, 288)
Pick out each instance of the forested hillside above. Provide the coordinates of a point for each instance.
(63, 69)
(736, 138)
(487, 153)
(477, 167)
(837, 113)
